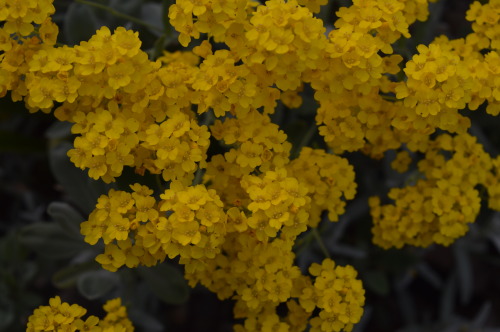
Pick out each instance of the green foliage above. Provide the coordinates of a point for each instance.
(95, 284)
(68, 276)
(80, 23)
(166, 282)
(50, 241)
(17, 272)
(81, 190)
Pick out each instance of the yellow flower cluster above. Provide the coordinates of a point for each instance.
(286, 38)
(493, 185)
(328, 178)
(439, 207)
(115, 97)
(485, 19)
(195, 216)
(18, 44)
(265, 215)
(333, 295)
(19, 14)
(212, 17)
(402, 161)
(136, 229)
(116, 105)
(338, 295)
(243, 251)
(276, 200)
(352, 72)
(61, 316)
(259, 143)
(262, 276)
(448, 75)
(444, 77)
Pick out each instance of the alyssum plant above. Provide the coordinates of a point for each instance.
(232, 218)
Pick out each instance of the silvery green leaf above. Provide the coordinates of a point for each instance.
(58, 130)
(95, 284)
(145, 321)
(82, 190)
(464, 272)
(152, 13)
(482, 315)
(166, 282)
(7, 313)
(67, 276)
(126, 6)
(448, 299)
(80, 23)
(67, 217)
(50, 240)
(377, 282)
(429, 275)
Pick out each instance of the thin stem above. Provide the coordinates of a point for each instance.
(390, 98)
(308, 136)
(302, 243)
(159, 46)
(119, 14)
(159, 182)
(209, 118)
(198, 178)
(320, 242)
(306, 139)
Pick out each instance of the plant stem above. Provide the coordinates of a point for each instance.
(119, 14)
(320, 242)
(198, 178)
(209, 118)
(306, 139)
(159, 183)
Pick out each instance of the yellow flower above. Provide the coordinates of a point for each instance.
(127, 42)
(112, 259)
(117, 228)
(187, 232)
(401, 162)
(250, 155)
(193, 197)
(237, 221)
(120, 74)
(48, 32)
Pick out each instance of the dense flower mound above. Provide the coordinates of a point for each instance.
(439, 207)
(232, 217)
(61, 316)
